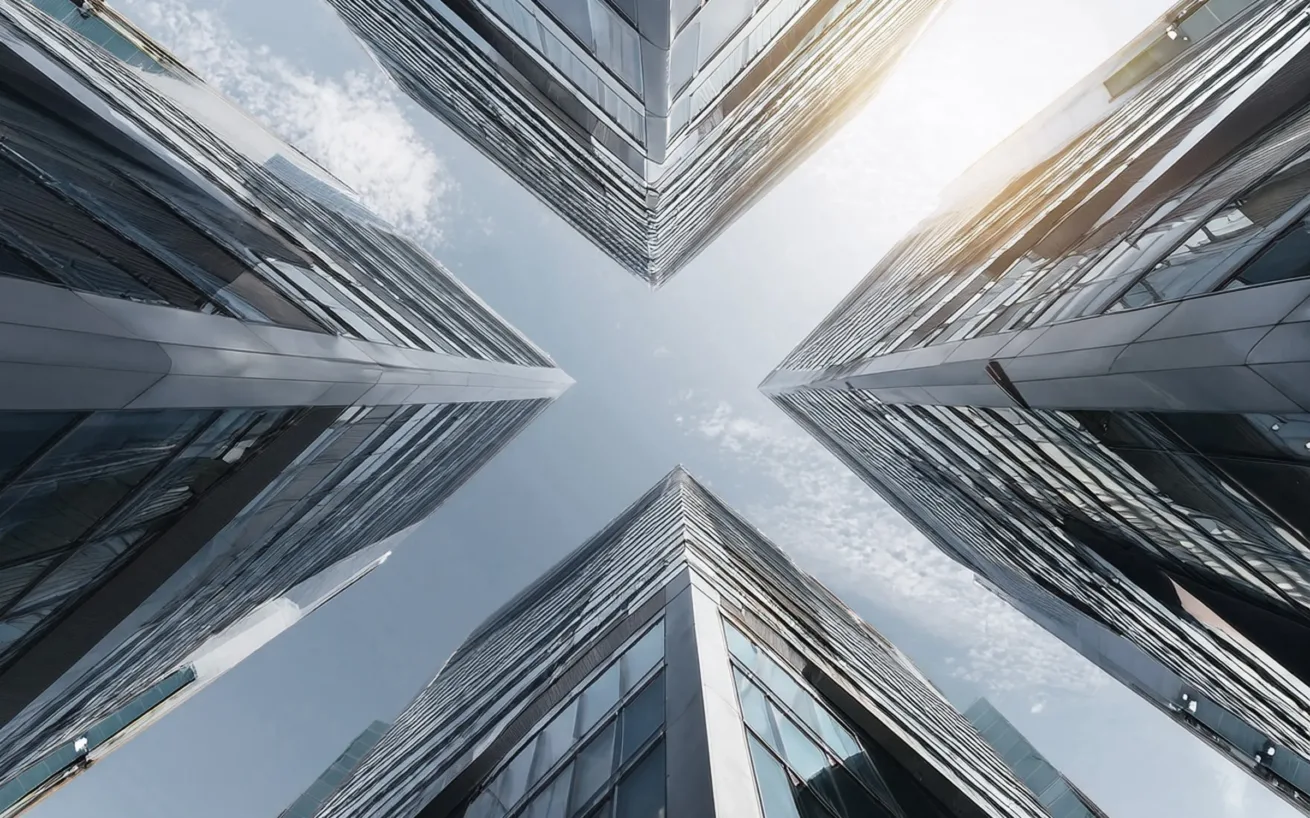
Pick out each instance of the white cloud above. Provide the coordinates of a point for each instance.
(842, 530)
(661, 352)
(354, 125)
(1037, 708)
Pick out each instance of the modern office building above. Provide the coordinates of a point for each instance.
(1057, 793)
(309, 801)
(1092, 387)
(218, 384)
(218, 654)
(678, 663)
(649, 125)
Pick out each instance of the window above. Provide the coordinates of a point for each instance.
(601, 735)
(807, 763)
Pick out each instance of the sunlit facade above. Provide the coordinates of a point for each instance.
(649, 126)
(679, 664)
(1057, 793)
(1091, 387)
(220, 379)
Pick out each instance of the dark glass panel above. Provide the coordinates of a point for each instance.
(642, 717)
(22, 434)
(592, 768)
(641, 793)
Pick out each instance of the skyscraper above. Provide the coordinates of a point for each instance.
(327, 783)
(218, 654)
(678, 663)
(649, 126)
(218, 383)
(1090, 384)
(1057, 793)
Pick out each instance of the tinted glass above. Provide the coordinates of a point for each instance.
(774, 785)
(23, 433)
(552, 802)
(513, 781)
(1287, 258)
(642, 717)
(555, 740)
(642, 792)
(642, 656)
(599, 697)
(592, 767)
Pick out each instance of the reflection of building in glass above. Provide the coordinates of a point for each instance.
(327, 783)
(1057, 793)
(618, 685)
(649, 125)
(218, 386)
(1090, 386)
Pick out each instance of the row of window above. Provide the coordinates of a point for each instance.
(77, 493)
(588, 745)
(999, 506)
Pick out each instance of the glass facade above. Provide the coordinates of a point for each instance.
(1056, 792)
(1089, 389)
(612, 687)
(224, 377)
(806, 761)
(649, 126)
(325, 784)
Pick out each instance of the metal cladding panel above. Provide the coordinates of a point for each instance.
(650, 181)
(453, 749)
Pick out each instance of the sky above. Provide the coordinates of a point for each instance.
(662, 377)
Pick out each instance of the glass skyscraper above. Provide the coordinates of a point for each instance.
(679, 664)
(308, 802)
(649, 125)
(1057, 793)
(222, 377)
(1090, 382)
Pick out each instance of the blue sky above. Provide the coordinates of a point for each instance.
(662, 378)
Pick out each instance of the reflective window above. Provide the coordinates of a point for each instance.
(642, 717)
(23, 433)
(641, 793)
(555, 740)
(592, 768)
(807, 763)
(552, 802)
(642, 657)
(598, 698)
(612, 742)
(1287, 258)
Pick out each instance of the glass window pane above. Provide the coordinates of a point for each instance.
(801, 754)
(599, 698)
(1287, 258)
(513, 781)
(86, 474)
(774, 785)
(22, 433)
(642, 656)
(592, 768)
(642, 717)
(642, 791)
(485, 806)
(754, 707)
(552, 802)
(740, 646)
(575, 16)
(555, 740)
